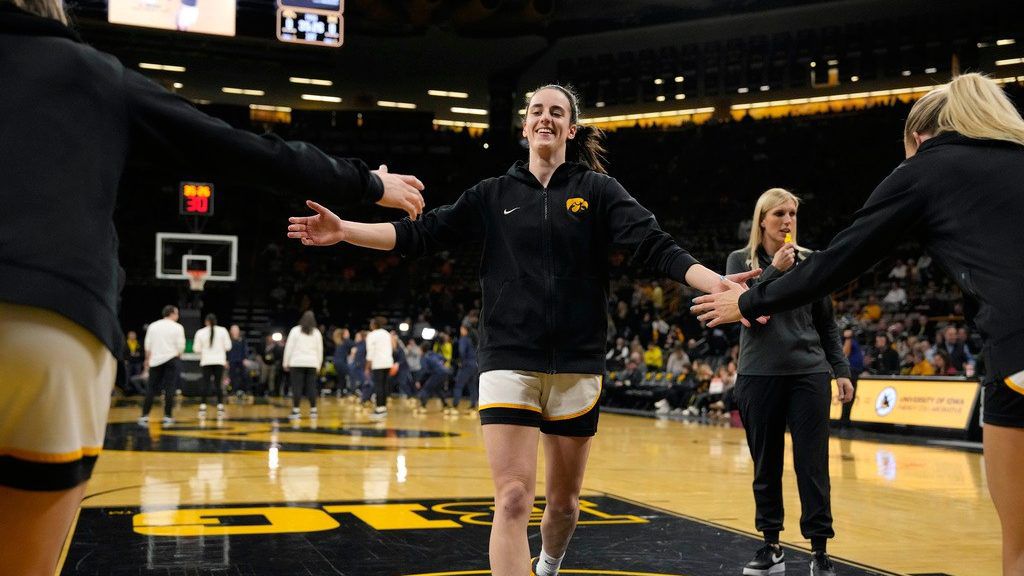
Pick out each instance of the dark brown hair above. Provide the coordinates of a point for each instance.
(587, 147)
(307, 322)
(211, 320)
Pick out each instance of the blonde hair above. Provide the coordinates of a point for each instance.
(45, 8)
(771, 198)
(971, 105)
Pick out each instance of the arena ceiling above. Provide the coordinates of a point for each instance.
(394, 50)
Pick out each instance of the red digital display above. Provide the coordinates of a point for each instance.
(196, 199)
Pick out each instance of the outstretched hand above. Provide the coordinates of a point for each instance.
(720, 308)
(401, 191)
(740, 279)
(322, 229)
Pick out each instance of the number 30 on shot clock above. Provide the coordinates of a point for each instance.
(195, 199)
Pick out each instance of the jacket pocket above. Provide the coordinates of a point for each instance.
(580, 314)
(513, 313)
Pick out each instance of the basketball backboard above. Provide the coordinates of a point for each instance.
(178, 253)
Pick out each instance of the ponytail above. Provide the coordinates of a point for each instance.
(588, 147)
(971, 105)
(211, 319)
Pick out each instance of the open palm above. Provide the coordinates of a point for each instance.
(324, 228)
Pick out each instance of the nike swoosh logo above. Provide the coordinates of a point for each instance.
(777, 559)
(507, 212)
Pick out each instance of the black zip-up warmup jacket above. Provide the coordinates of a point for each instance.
(544, 268)
(69, 115)
(964, 200)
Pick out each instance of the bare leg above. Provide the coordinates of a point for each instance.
(1004, 466)
(512, 452)
(33, 527)
(565, 458)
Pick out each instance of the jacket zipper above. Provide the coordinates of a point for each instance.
(548, 280)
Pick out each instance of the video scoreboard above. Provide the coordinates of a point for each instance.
(318, 22)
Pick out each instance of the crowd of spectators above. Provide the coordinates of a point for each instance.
(903, 317)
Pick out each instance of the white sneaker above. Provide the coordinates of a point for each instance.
(144, 421)
(313, 413)
(379, 413)
(295, 415)
(202, 407)
(220, 409)
(167, 421)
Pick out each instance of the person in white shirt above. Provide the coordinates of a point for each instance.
(164, 343)
(379, 355)
(303, 356)
(896, 297)
(212, 343)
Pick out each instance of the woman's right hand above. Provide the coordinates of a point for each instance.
(322, 229)
(785, 257)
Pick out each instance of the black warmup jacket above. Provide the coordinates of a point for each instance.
(964, 200)
(69, 115)
(544, 268)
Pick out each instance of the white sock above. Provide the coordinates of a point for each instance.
(548, 566)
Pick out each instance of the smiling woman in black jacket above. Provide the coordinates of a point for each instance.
(545, 227)
(961, 193)
(69, 117)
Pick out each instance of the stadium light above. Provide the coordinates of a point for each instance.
(679, 79)
(276, 336)
(473, 111)
(680, 96)
(447, 94)
(461, 124)
(1006, 42)
(391, 104)
(321, 98)
(178, 85)
(162, 67)
(1009, 61)
(313, 81)
(428, 333)
(660, 98)
(403, 327)
(243, 91)
(659, 81)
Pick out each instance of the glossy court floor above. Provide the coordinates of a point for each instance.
(254, 494)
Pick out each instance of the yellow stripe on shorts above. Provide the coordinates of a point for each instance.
(44, 458)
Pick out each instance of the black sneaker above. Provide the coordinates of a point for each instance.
(770, 559)
(821, 565)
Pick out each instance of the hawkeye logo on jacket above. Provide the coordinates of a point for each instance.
(576, 205)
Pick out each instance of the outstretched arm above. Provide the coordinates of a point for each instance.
(894, 210)
(325, 228)
(169, 127)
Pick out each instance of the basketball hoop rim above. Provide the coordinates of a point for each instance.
(197, 279)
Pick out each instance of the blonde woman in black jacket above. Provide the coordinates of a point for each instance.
(961, 193)
(70, 116)
(545, 227)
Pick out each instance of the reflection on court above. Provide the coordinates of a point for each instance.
(252, 493)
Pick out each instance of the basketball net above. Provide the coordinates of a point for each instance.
(197, 279)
